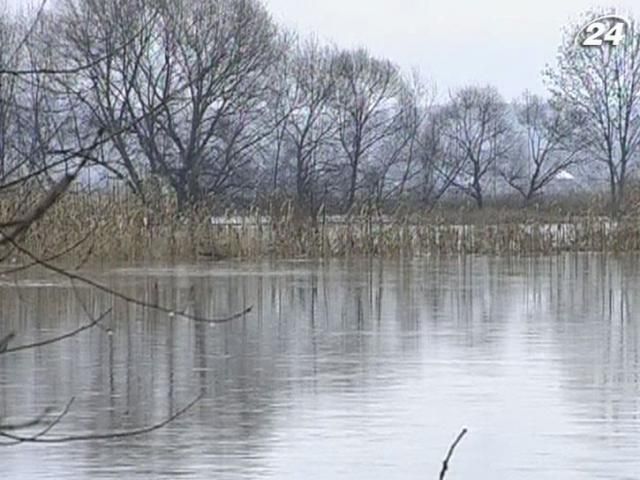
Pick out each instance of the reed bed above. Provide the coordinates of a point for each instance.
(113, 227)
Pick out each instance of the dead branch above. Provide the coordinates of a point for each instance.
(56, 421)
(236, 316)
(122, 296)
(23, 179)
(18, 439)
(4, 343)
(60, 338)
(6, 427)
(51, 258)
(39, 210)
(445, 463)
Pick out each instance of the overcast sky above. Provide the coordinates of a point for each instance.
(453, 42)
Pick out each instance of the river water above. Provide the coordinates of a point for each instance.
(344, 369)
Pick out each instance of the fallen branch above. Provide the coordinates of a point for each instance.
(445, 463)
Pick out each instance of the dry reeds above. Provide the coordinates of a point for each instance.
(120, 227)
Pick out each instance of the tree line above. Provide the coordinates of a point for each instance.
(212, 102)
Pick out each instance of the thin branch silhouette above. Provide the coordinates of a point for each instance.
(134, 301)
(55, 422)
(60, 338)
(12, 230)
(27, 34)
(6, 340)
(28, 424)
(445, 463)
(18, 439)
(80, 68)
(50, 199)
(52, 258)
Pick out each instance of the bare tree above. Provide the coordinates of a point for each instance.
(271, 151)
(309, 126)
(115, 39)
(544, 147)
(8, 106)
(198, 74)
(439, 161)
(477, 125)
(75, 150)
(365, 109)
(395, 164)
(601, 85)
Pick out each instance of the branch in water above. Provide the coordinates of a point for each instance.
(445, 463)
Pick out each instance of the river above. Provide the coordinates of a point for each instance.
(344, 369)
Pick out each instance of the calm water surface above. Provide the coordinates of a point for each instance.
(345, 369)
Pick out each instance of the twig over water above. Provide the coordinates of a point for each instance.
(445, 463)
(4, 344)
(40, 438)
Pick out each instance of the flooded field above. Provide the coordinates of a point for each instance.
(344, 369)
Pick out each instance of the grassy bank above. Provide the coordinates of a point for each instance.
(116, 227)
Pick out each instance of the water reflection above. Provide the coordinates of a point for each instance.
(356, 368)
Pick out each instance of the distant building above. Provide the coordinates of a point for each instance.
(563, 183)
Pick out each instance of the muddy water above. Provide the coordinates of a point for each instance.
(344, 369)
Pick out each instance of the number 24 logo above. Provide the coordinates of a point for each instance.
(608, 29)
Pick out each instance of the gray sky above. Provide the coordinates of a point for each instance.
(452, 42)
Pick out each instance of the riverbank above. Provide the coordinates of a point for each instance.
(106, 228)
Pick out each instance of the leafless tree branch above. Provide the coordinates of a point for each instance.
(134, 301)
(8, 427)
(51, 425)
(60, 338)
(102, 437)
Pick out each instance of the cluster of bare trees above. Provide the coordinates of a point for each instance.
(600, 88)
(211, 101)
(208, 100)
(51, 95)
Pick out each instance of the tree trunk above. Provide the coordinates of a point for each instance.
(353, 182)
